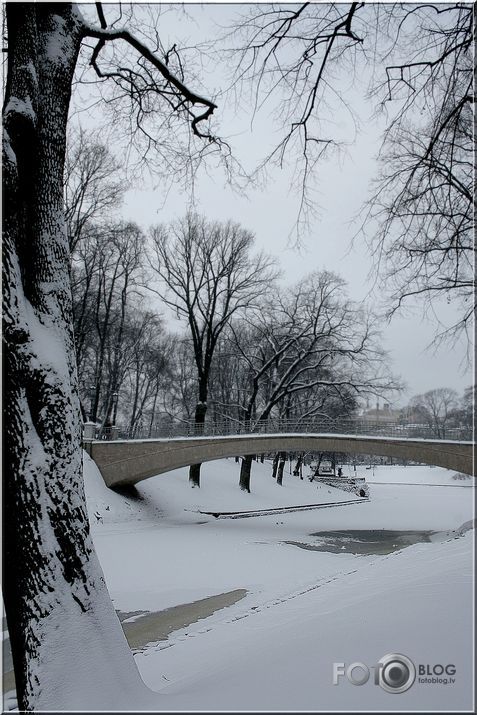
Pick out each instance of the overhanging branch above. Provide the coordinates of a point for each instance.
(180, 90)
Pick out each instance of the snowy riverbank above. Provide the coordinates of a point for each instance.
(253, 613)
(303, 610)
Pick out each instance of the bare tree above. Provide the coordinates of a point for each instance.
(208, 275)
(180, 399)
(85, 264)
(307, 339)
(146, 356)
(53, 588)
(92, 184)
(421, 215)
(285, 58)
(227, 377)
(420, 220)
(468, 408)
(106, 272)
(436, 407)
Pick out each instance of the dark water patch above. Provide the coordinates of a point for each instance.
(143, 627)
(363, 542)
(155, 626)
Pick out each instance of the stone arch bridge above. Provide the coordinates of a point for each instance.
(126, 462)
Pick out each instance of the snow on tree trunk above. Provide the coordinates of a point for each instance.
(68, 649)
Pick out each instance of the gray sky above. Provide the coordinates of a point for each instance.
(342, 187)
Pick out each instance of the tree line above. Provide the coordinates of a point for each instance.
(443, 410)
(248, 347)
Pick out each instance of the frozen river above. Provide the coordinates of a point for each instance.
(203, 601)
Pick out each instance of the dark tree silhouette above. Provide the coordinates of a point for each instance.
(420, 219)
(421, 215)
(289, 54)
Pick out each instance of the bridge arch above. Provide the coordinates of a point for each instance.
(123, 462)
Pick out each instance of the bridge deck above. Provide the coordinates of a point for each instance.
(130, 461)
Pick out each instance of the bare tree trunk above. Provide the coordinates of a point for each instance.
(199, 422)
(318, 464)
(245, 472)
(103, 328)
(60, 617)
(275, 465)
(134, 414)
(298, 466)
(153, 409)
(281, 467)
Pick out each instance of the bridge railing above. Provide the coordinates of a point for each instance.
(277, 426)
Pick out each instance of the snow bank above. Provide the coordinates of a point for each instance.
(106, 506)
(304, 609)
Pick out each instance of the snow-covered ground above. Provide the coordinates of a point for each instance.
(304, 609)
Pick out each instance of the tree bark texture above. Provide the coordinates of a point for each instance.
(60, 618)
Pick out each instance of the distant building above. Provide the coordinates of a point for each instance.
(386, 413)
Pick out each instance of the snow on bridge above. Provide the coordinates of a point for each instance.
(123, 462)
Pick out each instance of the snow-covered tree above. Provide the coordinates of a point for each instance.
(309, 340)
(67, 645)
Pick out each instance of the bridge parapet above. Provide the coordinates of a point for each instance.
(225, 428)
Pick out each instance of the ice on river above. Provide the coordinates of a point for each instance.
(304, 608)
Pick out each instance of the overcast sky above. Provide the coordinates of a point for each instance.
(342, 187)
